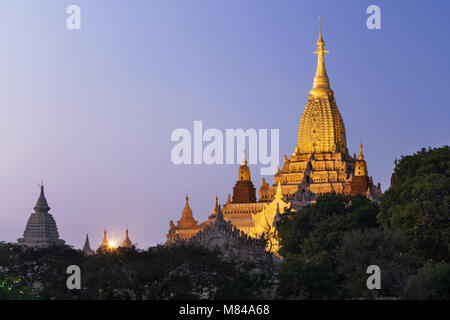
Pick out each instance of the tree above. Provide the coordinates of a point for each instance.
(431, 282)
(318, 227)
(308, 239)
(418, 203)
(387, 249)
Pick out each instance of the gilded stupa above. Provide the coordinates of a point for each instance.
(127, 242)
(105, 245)
(320, 164)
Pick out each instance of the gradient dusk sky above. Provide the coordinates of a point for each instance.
(90, 112)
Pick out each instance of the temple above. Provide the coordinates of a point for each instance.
(87, 247)
(127, 242)
(105, 245)
(320, 164)
(41, 229)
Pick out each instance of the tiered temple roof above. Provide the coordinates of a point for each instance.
(41, 229)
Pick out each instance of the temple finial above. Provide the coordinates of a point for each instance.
(41, 204)
(320, 29)
(321, 81)
(361, 156)
(244, 160)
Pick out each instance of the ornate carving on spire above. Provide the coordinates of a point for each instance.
(321, 126)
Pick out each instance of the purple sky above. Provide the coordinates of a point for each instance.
(91, 112)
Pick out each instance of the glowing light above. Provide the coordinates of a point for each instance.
(112, 244)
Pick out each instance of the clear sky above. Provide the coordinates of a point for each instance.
(90, 112)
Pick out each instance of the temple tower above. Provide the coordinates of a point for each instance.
(321, 162)
(186, 227)
(41, 229)
(127, 242)
(360, 181)
(244, 190)
(105, 245)
(87, 247)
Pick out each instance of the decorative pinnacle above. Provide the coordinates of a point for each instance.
(279, 192)
(321, 81)
(361, 156)
(244, 161)
(41, 204)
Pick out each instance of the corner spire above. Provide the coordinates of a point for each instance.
(279, 193)
(361, 156)
(321, 81)
(216, 207)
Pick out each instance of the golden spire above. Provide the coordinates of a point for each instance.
(321, 81)
(321, 126)
(127, 242)
(216, 206)
(279, 192)
(361, 156)
(361, 166)
(105, 243)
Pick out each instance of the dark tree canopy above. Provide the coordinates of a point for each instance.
(318, 227)
(418, 203)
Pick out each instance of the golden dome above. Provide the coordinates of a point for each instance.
(321, 126)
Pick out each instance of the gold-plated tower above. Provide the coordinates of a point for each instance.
(321, 126)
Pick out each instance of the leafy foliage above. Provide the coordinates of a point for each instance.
(384, 248)
(309, 238)
(418, 203)
(431, 282)
(180, 272)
